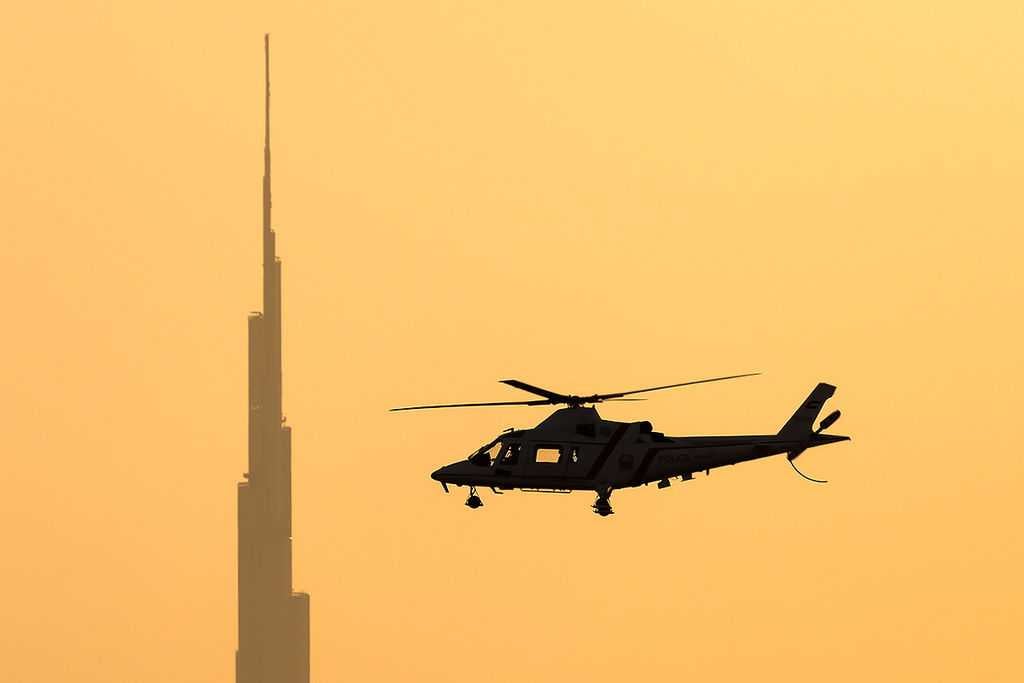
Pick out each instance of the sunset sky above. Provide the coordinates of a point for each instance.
(588, 196)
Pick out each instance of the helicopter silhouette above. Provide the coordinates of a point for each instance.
(574, 449)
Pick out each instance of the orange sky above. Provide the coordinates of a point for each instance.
(590, 197)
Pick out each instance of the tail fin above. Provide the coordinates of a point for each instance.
(802, 422)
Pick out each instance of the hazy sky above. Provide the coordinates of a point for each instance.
(586, 196)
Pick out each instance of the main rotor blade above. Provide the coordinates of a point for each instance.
(474, 405)
(605, 397)
(546, 393)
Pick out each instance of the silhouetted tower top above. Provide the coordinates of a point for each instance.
(269, 251)
(271, 271)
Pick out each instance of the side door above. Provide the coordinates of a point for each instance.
(580, 458)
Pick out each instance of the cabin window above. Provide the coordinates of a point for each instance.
(548, 454)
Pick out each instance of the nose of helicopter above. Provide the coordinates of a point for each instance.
(455, 473)
(444, 474)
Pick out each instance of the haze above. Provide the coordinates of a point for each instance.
(589, 197)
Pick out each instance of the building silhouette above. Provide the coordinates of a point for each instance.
(273, 621)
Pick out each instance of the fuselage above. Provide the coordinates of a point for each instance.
(575, 449)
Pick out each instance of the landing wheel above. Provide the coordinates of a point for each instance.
(473, 502)
(603, 505)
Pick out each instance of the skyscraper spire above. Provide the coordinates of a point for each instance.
(269, 254)
(273, 621)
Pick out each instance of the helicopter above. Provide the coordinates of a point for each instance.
(575, 449)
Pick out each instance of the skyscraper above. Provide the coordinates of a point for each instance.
(273, 621)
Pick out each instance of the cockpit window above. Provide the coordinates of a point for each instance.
(481, 457)
(509, 454)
